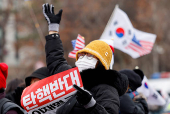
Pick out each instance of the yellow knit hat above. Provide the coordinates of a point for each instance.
(101, 50)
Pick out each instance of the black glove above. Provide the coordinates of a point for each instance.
(52, 19)
(84, 97)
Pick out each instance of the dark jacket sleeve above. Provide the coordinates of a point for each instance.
(107, 102)
(107, 99)
(12, 112)
(143, 104)
(15, 96)
(55, 54)
(128, 106)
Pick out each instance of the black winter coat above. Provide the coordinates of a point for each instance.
(105, 85)
(7, 106)
(128, 106)
(15, 96)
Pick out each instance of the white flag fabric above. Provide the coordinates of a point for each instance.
(141, 44)
(126, 38)
(153, 97)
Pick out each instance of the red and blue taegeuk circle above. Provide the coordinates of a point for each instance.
(146, 85)
(120, 32)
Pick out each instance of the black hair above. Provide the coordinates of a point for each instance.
(99, 65)
(2, 90)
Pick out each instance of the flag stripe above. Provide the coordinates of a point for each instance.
(147, 42)
(79, 44)
(78, 47)
(78, 40)
(140, 48)
(129, 46)
(82, 38)
(72, 56)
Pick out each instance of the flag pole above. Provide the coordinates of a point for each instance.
(110, 19)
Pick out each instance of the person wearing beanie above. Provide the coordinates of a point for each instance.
(139, 72)
(135, 80)
(37, 75)
(6, 106)
(133, 102)
(102, 85)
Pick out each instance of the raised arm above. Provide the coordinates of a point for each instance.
(54, 49)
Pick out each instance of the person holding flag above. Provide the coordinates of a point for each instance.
(103, 86)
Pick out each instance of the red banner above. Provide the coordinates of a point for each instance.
(50, 93)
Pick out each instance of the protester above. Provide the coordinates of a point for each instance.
(37, 75)
(103, 86)
(13, 84)
(133, 102)
(6, 106)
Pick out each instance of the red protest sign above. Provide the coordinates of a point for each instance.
(50, 93)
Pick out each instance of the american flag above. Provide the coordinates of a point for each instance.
(140, 46)
(77, 44)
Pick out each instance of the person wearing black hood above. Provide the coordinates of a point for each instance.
(133, 102)
(37, 75)
(103, 86)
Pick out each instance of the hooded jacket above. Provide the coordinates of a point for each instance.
(128, 106)
(105, 85)
(8, 107)
(40, 73)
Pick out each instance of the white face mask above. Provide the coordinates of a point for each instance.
(85, 63)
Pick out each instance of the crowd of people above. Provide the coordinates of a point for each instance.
(106, 91)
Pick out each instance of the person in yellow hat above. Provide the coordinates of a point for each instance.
(102, 85)
(95, 51)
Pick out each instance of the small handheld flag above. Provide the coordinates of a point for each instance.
(153, 97)
(77, 44)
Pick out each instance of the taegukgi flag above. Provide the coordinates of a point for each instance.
(153, 97)
(126, 38)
